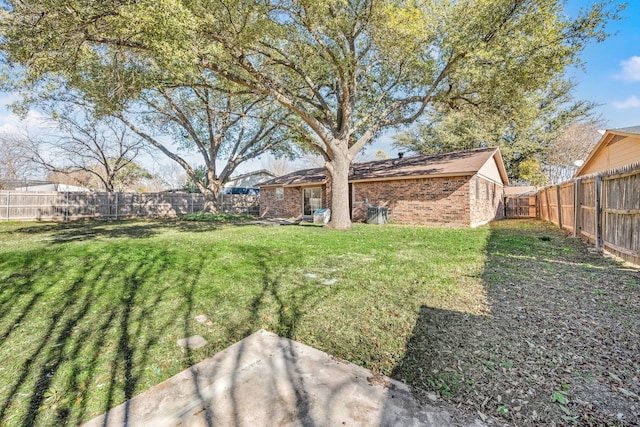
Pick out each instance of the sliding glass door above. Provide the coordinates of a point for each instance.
(311, 200)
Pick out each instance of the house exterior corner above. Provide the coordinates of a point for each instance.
(486, 200)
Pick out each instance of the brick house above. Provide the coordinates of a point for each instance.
(463, 188)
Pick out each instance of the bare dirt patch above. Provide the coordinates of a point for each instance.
(559, 345)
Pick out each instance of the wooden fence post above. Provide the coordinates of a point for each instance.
(116, 214)
(546, 198)
(598, 212)
(577, 201)
(559, 201)
(66, 207)
(8, 206)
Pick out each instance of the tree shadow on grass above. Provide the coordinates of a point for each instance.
(79, 337)
(275, 302)
(280, 306)
(85, 327)
(281, 299)
(558, 313)
(64, 232)
(89, 230)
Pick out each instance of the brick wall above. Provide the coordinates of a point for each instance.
(486, 199)
(417, 201)
(290, 206)
(427, 201)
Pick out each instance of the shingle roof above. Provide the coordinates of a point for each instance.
(258, 172)
(467, 162)
(520, 191)
(298, 177)
(631, 129)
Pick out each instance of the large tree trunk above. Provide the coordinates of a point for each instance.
(338, 174)
(211, 195)
(210, 202)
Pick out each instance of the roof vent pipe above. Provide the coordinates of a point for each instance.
(400, 155)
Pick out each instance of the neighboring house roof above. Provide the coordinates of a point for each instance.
(458, 163)
(305, 176)
(248, 174)
(524, 190)
(12, 184)
(52, 187)
(606, 155)
(632, 130)
(249, 179)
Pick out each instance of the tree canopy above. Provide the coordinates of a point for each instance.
(526, 132)
(346, 69)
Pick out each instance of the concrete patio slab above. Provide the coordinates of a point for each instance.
(266, 380)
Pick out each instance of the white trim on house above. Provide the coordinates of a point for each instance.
(490, 172)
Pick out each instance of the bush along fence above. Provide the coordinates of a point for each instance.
(28, 206)
(604, 208)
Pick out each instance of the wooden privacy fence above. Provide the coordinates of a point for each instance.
(521, 206)
(19, 206)
(604, 208)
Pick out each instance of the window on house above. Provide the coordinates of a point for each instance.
(279, 193)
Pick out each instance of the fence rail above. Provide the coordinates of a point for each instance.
(23, 206)
(604, 208)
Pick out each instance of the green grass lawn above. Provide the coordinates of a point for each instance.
(490, 318)
(90, 312)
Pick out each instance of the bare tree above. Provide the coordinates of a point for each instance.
(221, 128)
(171, 175)
(80, 178)
(87, 149)
(278, 165)
(13, 160)
(574, 144)
(152, 183)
